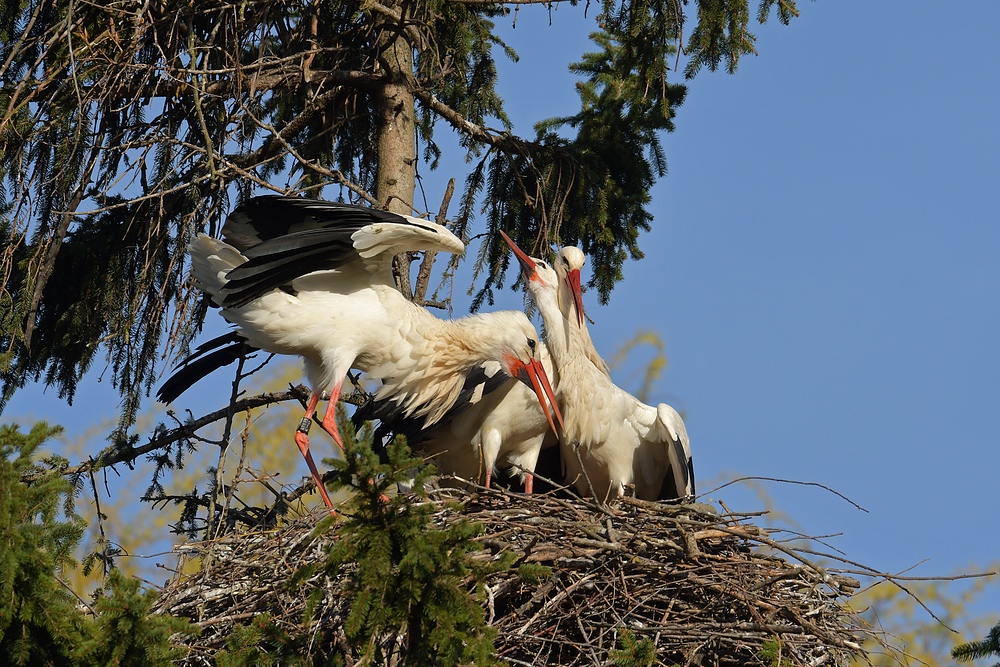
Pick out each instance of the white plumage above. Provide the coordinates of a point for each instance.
(313, 278)
(611, 439)
(505, 427)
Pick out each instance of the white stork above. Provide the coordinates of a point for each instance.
(611, 439)
(313, 278)
(503, 427)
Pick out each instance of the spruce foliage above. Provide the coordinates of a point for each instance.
(124, 632)
(977, 650)
(408, 576)
(407, 580)
(634, 652)
(592, 171)
(261, 643)
(40, 622)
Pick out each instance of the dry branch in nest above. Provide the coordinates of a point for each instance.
(705, 588)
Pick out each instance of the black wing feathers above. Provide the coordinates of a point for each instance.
(276, 263)
(269, 217)
(207, 357)
(674, 485)
(477, 384)
(284, 238)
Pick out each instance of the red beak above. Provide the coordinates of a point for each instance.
(527, 264)
(533, 375)
(573, 278)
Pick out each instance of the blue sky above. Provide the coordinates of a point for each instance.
(824, 268)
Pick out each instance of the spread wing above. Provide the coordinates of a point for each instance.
(285, 238)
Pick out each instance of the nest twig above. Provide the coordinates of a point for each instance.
(706, 588)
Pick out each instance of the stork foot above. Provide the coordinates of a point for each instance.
(382, 498)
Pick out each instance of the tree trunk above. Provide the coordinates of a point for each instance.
(397, 146)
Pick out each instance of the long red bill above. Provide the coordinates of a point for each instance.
(527, 264)
(573, 278)
(533, 374)
(549, 393)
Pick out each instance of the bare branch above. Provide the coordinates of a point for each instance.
(427, 264)
(114, 455)
(786, 481)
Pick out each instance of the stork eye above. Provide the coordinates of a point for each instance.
(531, 344)
(565, 261)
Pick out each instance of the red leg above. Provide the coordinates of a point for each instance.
(529, 482)
(329, 423)
(489, 474)
(302, 440)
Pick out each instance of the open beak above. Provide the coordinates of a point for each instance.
(573, 278)
(533, 375)
(527, 264)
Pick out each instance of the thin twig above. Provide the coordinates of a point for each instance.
(785, 481)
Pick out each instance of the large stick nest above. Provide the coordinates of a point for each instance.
(706, 588)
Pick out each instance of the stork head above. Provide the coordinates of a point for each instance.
(520, 360)
(539, 277)
(569, 261)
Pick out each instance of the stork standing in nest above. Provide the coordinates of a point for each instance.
(611, 439)
(504, 428)
(313, 278)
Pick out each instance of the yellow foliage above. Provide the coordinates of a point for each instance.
(913, 635)
(117, 498)
(917, 637)
(260, 462)
(263, 459)
(654, 368)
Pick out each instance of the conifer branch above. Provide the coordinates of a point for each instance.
(115, 454)
(476, 132)
(512, 2)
